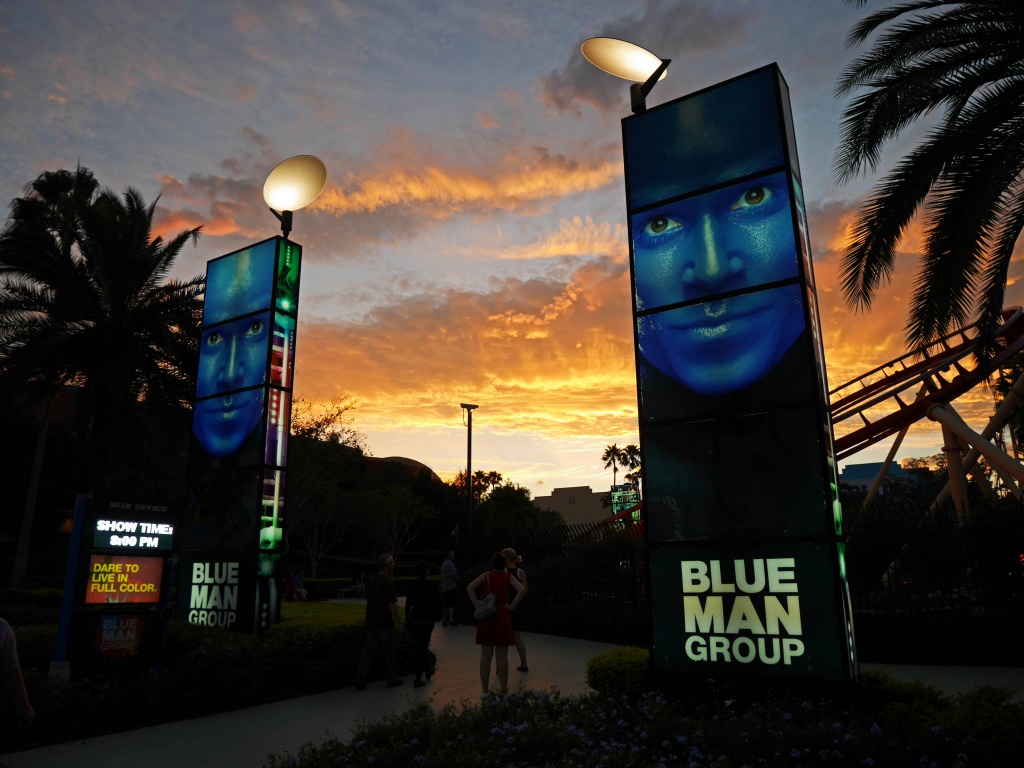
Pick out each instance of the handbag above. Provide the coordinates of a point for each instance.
(486, 607)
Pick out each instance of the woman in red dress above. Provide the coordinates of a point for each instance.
(495, 632)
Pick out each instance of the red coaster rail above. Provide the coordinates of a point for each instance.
(907, 386)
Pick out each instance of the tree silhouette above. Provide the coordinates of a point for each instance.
(612, 457)
(963, 59)
(83, 304)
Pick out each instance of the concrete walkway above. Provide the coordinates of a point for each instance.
(244, 738)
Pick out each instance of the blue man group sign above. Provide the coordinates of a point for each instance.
(742, 516)
(240, 437)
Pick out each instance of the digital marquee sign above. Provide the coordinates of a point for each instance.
(131, 534)
(741, 507)
(124, 579)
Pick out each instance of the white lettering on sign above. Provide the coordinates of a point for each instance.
(738, 611)
(149, 540)
(214, 598)
(122, 526)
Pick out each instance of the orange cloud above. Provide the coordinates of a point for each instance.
(61, 97)
(448, 191)
(485, 120)
(557, 356)
(574, 237)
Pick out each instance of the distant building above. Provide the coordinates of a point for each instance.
(410, 468)
(862, 476)
(578, 504)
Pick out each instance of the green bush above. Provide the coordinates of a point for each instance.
(623, 671)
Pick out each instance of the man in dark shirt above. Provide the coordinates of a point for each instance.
(381, 620)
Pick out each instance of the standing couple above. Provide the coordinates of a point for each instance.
(497, 632)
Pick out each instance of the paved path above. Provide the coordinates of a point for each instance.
(243, 739)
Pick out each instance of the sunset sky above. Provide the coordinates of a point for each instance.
(470, 245)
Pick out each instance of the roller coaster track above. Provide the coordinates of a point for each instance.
(905, 388)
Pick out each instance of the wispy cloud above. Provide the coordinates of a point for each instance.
(523, 178)
(662, 28)
(555, 355)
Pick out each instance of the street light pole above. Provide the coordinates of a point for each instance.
(469, 475)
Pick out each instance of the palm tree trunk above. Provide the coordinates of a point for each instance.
(28, 514)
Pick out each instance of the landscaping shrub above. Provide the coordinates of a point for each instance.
(845, 726)
(620, 671)
(314, 648)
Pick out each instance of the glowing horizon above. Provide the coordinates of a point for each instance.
(470, 245)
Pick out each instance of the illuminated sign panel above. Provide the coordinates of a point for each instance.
(132, 534)
(735, 435)
(623, 497)
(123, 579)
(242, 417)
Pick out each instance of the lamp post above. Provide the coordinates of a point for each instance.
(294, 184)
(468, 408)
(630, 62)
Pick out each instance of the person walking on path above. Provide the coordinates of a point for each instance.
(381, 621)
(494, 633)
(422, 608)
(512, 562)
(449, 589)
(12, 683)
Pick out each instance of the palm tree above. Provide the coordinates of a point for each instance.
(509, 508)
(964, 58)
(82, 303)
(631, 460)
(612, 457)
(493, 479)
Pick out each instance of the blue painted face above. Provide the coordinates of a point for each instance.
(233, 356)
(732, 239)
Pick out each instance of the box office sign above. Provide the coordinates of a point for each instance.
(735, 434)
(117, 583)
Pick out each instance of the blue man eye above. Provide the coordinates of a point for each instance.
(757, 197)
(660, 225)
(650, 232)
(214, 338)
(255, 328)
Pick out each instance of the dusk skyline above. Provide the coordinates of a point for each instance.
(471, 244)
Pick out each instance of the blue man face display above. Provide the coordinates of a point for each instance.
(233, 351)
(734, 430)
(234, 355)
(721, 242)
(723, 233)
